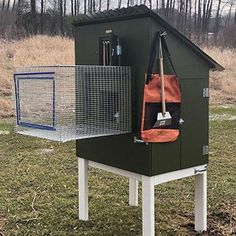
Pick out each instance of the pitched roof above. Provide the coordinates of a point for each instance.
(139, 12)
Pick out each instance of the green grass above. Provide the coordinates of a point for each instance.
(38, 190)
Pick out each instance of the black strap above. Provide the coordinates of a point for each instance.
(167, 53)
(158, 36)
(152, 56)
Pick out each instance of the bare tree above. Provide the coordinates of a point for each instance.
(157, 5)
(61, 16)
(209, 13)
(94, 5)
(119, 4)
(75, 7)
(72, 7)
(108, 4)
(8, 5)
(41, 16)
(186, 15)
(167, 9)
(235, 16)
(228, 17)
(203, 15)
(64, 8)
(172, 11)
(88, 7)
(100, 5)
(85, 6)
(162, 7)
(33, 16)
(190, 18)
(195, 16)
(199, 18)
(19, 3)
(3, 4)
(217, 19)
(180, 15)
(13, 5)
(78, 7)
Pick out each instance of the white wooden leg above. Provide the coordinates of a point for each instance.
(201, 202)
(133, 192)
(83, 188)
(148, 216)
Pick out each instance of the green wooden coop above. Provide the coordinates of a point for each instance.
(132, 29)
(123, 37)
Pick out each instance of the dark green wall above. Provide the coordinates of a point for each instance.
(134, 37)
(120, 151)
(187, 63)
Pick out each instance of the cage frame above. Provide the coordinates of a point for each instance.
(118, 81)
(17, 98)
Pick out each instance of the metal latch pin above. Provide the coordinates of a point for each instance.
(199, 171)
(136, 140)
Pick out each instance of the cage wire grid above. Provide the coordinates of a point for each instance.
(65, 103)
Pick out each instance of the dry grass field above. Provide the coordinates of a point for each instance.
(35, 51)
(223, 84)
(44, 50)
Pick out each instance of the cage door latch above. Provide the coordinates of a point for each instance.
(200, 170)
(139, 141)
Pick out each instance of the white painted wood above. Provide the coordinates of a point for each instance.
(133, 192)
(148, 183)
(148, 216)
(179, 174)
(83, 188)
(201, 202)
(115, 170)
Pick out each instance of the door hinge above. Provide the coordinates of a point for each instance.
(205, 92)
(205, 150)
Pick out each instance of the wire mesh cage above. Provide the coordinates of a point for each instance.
(65, 103)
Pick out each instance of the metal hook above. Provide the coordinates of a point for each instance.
(163, 33)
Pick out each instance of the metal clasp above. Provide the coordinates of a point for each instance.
(199, 171)
(181, 121)
(136, 140)
(163, 33)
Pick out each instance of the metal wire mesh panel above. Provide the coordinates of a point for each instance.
(73, 102)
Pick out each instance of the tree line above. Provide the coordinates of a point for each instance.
(205, 21)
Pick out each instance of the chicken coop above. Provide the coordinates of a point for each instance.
(119, 29)
(99, 103)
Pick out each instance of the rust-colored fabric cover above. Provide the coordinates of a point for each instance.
(152, 94)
